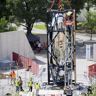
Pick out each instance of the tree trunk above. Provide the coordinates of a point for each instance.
(29, 28)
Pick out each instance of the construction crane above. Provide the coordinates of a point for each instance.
(61, 45)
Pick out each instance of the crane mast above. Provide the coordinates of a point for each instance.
(61, 45)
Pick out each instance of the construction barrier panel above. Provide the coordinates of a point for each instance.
(92, 70)
(25, 62)
(92, 73)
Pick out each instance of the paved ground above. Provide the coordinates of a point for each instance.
(81, 67)
(5, 84)
(82, 71)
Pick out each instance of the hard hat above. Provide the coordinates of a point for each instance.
(68, 13)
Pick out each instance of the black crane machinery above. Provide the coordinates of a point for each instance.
(61, 45)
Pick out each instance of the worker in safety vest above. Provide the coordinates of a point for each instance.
(37, 87)
(69, 22)
(17, 85)
(13, 77)
(20, 84)
(30, 83)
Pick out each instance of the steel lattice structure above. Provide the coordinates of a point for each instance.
(60, 50)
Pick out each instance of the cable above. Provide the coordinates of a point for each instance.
(51, 5)
(59, 3)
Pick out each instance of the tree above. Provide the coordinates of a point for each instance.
(78, 5)
(28, 11)
(4, 17)
(90, 23)
(90, 17)
(4, 11)
(3, 24)
(2, 8)
(74, 4)
(71, 4)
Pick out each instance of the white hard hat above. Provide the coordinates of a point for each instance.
(68, 13)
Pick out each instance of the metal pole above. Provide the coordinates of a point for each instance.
(75, 77)
(74, 46)
(17, 68)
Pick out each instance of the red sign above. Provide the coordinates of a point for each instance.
(92, 70)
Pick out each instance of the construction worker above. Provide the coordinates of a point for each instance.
(69, 21)
(20, 84)
(37, 87)
(30, 83)
(13, 77)
(17, 85)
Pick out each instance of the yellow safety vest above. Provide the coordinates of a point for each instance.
(17, 83)
(30, 83)
(37, 86)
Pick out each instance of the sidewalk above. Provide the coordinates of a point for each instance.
(81, 67)
(6, 87)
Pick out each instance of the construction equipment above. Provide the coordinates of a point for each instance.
(61, 46)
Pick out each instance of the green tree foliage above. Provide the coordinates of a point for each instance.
(71, 4)
(90, 23)
(4, 16)
(2, 8)
(5, 25)
(28, 11)
(90, 4)
(77, 4)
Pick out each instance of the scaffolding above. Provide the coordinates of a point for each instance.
(61, 49)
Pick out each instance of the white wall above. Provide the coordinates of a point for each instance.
(14, 42)
(94, 52)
